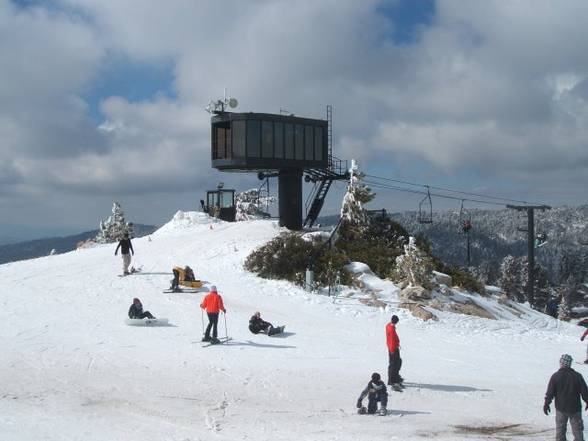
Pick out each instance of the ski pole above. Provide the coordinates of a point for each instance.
(226, 332)
(202, 318)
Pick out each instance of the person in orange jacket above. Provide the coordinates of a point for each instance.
(212, 304)
(394, 360)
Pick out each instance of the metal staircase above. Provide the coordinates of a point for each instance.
(323, 178)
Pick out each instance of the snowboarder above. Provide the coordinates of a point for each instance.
(258, 325)
(567, 386)
(375, 391)
(125, 245)
(394, 360)
(136, 311)
(213, 304)
(582, 339)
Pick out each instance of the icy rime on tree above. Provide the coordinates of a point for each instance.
(414, 266)
(115, 227)
(357, 194)
(250, 204)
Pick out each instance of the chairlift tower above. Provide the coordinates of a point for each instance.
(530, 209)
(285, 146)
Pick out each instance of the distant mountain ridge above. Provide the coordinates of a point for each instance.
(495, 234)
(42, 247)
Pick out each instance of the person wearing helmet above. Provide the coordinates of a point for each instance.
(258, 325)
(136, 311)
(212, 304)
(375, 392)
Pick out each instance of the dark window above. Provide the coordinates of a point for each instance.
(289, 141)
(267, 139)
(308, 143)
(318, 143)
(279, 140)
(221, 138)
(253, 139)
(299, 141)
(229, 150)
(239, 139)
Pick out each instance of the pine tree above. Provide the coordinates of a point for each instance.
(357, 195)
(115, 227)
(510, 279)
(414, 266)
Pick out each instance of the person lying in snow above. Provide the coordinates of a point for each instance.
(136, 311)
(375, 391)
(258, 325)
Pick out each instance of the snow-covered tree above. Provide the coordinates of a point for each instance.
(250, 204)
(414, 266)
(357, 195)
(115, 227)
(510, 278)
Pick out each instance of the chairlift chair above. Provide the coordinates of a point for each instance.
(426, 209)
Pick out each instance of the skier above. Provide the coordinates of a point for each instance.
(258, 325)
(375, 391)
(125, 245)
(394, 360)
(136, 311)
(213, 304)
(567, 386)
(582, 339)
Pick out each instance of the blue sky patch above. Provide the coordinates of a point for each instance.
(408, 16)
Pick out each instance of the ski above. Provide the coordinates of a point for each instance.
(222, 340)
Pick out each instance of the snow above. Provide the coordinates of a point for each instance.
(72, 370)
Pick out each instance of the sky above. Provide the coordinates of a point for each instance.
(103, 100)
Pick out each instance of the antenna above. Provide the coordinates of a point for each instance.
(219, 105)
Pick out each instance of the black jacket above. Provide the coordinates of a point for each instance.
(125, 245)
(567, 386)
(135, 311)
(375, 389)
(257, 325)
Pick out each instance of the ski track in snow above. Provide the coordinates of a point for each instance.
(72, 370)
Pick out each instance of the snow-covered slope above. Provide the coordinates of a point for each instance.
(72, 370)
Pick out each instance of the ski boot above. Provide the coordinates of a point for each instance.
(206, 338)
(215, 341)
(383, 411)
(396, 387)
(362, 410)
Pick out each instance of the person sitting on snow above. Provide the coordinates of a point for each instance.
(136, 311)
(375, 391)
(258, 325)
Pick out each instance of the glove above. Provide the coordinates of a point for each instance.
(582, 338)
(358, 404)
(586, 408)
(546, 409)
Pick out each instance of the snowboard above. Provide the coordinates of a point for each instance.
(277, 330)
(132, 270)
(189, 291)
(147, 322)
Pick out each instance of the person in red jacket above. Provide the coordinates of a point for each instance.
(394, 360)
(212, 304)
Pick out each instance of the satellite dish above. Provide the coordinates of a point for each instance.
(233, 103)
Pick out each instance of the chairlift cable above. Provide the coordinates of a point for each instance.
(448, 190)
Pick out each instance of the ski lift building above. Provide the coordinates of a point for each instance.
(282, 145)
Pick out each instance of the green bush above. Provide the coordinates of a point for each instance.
(378, 244)
(287, 257)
